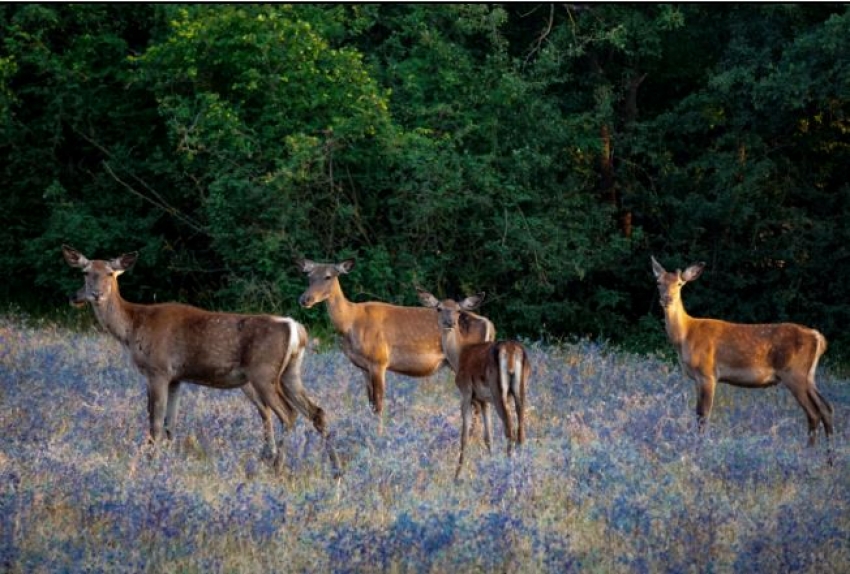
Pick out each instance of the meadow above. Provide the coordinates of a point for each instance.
(611, 479)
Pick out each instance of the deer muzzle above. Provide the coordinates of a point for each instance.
(77, 299)
(305, 301)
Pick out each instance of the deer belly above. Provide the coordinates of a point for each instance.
(748, 377)
(220, 378)
(415, 365)
(482, 392)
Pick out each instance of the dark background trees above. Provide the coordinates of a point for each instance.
(539, 152)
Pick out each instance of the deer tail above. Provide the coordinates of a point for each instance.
(820, 349)
(297, 339)
(512, 365)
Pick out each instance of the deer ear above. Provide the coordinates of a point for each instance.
(122, 263)
(305, 265)
(74, 258)
(472, 302)
(426, 298)
(693, 271)
(657, 268)
(345, 266)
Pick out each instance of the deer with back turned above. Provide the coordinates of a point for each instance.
(171, 343)
(744, 355)
(485, 372)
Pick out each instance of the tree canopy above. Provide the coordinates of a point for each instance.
(538, 152)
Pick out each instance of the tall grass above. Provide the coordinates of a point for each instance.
(612, 478)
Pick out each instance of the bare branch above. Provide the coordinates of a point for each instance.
(160, 205)
(536, 47)
(158, 201)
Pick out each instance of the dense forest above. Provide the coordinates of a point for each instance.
(538, 152)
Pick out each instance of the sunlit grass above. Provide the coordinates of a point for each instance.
(612, 478)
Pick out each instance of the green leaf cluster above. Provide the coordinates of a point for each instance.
(538, 152)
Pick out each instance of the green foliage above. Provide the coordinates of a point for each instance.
(538, 153)
(267, 120)
(763, 197)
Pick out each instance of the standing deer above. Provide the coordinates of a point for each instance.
(485, 372)
(378, 337)
(755, 356)
(171, 343)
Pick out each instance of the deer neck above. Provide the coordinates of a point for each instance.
(452, 346)
(115, 316)
(676, 320)
(342, 311)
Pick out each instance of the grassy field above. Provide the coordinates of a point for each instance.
(612, 478)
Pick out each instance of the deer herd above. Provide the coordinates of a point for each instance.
(172, 344)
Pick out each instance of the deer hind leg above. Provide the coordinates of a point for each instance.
(501, 397)
(800, 390)
(507, 422)
(294, 395)
(518, 385)
(273, 402)
(484, 409)
(824, 409)
(476, 410)
(269, 449)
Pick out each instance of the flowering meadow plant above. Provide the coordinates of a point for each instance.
(612, 478)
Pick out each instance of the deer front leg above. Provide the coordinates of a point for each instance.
(157, 406)
(705, 399)
(172, 409)
(466, 417)
(376, 385)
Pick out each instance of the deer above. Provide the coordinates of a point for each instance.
(744, 355)
(378, 337)
(173, 343)
(485, 372)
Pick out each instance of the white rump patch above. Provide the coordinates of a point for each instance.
(504, 373)
(819, 350)
(294, 334)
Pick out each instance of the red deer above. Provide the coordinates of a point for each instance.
(744, 355)
(378, 337)
(172, 343)
(485, 372)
